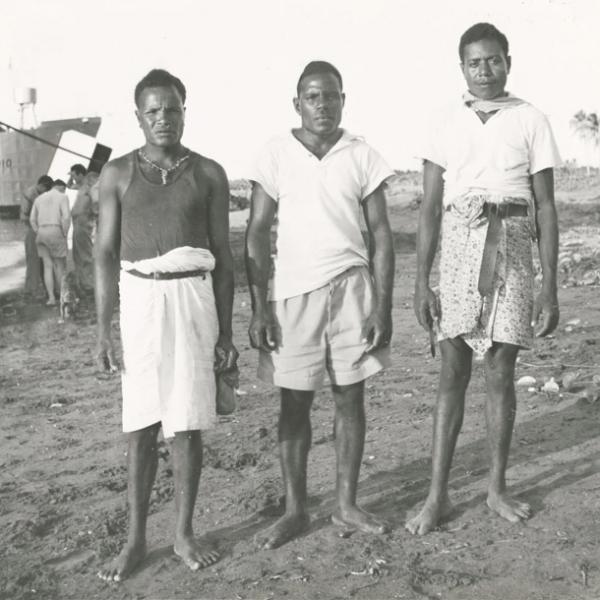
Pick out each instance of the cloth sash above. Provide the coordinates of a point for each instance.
(477, 211)
(185, 258)
(487, 106)
(474, 265)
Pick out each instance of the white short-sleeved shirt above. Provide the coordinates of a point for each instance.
(318, 208)
(496, 157)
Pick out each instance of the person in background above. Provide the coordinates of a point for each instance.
(77, 174)
(33, 265)
(84, 218)
(50, 220)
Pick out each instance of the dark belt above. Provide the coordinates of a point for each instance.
(494, 213)
(174, 275)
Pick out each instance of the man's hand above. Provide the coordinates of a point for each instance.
(426, 306)
(226, 355)
(545, 313)
(378, 330)
(263, 331)
(105, 356)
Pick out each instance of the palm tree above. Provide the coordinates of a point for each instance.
(586, 126)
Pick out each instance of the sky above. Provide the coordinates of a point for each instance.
(240, 60)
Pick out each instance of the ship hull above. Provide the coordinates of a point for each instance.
(24, 159)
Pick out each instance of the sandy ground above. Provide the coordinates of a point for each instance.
(63, 479)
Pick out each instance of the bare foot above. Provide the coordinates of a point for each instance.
(509, 509)
(194, 556)
(282, 531)
(51, 303)
(430, 516)
(125, 563)
(356, 519)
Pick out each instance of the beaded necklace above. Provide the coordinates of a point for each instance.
(163, 172)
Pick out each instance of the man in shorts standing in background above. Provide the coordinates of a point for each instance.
(33, 263)
(328, 306)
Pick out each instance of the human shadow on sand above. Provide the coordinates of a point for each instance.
(391, 493)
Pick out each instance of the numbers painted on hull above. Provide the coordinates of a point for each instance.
(6, 164)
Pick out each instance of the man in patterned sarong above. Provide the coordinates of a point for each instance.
(488, 185)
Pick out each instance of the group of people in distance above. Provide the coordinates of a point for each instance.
(46, 211)
(323, 305)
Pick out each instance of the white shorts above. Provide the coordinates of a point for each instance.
(323, 332)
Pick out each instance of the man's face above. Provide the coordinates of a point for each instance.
(160, 114)
(91, 178)
(320, 103)
(41, 188)
(76, 177)
(485, 68)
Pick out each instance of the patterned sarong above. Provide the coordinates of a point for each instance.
(504, 315)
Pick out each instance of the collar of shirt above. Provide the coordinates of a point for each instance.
(346, 139)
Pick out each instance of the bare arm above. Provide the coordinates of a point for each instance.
(223, 285)
(33, 217)
(65, 216)
(381, 246)
(430, 217)
(107, 249)
(258, 266)
(26, 208)
(547, 229)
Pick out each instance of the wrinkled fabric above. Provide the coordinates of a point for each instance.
(185, 258)
(169, 329)
(504, 315)
(54, 239)
(487, 106)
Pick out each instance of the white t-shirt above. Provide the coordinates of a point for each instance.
(496, 157)
(318, 208)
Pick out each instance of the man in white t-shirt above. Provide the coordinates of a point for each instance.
(327, 308)
(488, 181)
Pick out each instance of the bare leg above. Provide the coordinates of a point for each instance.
(48, 274)
(187, 463)
(454, 378)
(295, 436)
(34, 272)
(142, 459)
(349, 444)
(59, 265)
(500, 416)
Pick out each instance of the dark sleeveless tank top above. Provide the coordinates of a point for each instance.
(156, 218)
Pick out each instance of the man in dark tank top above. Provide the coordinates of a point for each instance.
(163, 238)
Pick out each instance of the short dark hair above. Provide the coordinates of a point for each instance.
(159, 78)
(482, 31)
(320, 67)
(60, 182)
(78, 168)
(46, 181)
